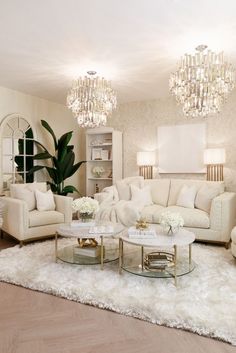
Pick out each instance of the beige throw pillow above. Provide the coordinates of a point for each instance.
(45, 201)
(205, 196)
(187, 196)
(27, 195)
(123, 187)
(141, 197)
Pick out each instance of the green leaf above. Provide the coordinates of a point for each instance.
(69, 189)
(42, 155)
(53, 187)
(62, 145)
(70, 148)
(68, 163)
(75, 168)
(35, 169)
(50, 130)
(53, 174)
(40, 145)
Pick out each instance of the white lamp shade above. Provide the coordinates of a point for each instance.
(214, 156)
(146, 158)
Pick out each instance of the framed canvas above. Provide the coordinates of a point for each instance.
(181, 148)
(105, 154)
(96, 154)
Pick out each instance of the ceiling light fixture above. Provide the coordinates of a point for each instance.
(91, 100)
(202, 82)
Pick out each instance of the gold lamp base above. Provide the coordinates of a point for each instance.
(215, 172)
(146, 171)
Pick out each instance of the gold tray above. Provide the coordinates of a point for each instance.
(158, 261)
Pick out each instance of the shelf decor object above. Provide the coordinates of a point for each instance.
(146, 161)
(106, 157)
(202, 82)
(214, 158)
(91, 100)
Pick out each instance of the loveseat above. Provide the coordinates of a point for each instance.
(211, 219)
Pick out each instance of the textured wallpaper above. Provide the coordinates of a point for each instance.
(139, 122)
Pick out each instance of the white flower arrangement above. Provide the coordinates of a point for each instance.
(85, 205)
(171, 221)
(98, 170)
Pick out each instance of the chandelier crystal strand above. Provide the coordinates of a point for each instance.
(91, 100)
(202, 82)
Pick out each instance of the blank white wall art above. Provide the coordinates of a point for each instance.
(181, 148)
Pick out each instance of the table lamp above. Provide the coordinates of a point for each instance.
(214, 158)
(146, 161)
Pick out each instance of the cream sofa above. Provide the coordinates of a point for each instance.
(25, 225)
(214, 226)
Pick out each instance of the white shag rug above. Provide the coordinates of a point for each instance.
(204, 302)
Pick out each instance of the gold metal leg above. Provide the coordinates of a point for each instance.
(56, 236)
(142, 262)
(175, 257)
(101, 252)
(190, 255)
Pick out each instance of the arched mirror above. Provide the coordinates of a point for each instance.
(17, 151)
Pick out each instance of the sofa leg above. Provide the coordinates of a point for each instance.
(21, 243)
(1, 234)
(227, 245)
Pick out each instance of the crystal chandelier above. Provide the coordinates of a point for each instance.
(91, 100)
(202, 82)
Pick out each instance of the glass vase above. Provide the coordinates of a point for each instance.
(172, 230)
(85, 217)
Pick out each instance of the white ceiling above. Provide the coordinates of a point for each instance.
(135, 43)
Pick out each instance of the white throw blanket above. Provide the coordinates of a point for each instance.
(124, 212)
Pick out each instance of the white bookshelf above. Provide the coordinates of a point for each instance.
(103, 149)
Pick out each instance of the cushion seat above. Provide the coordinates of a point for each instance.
(193, 218)
(152, 213)
(37, 218)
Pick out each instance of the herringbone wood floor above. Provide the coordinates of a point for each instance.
(33, 322)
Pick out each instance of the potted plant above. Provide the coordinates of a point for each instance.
(62, 161)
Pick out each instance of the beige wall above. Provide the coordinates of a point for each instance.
(139, 122)
(34, 109)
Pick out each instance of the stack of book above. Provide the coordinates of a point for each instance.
(89, 251)
(148, 233)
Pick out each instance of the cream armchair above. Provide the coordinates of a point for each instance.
(25, 225)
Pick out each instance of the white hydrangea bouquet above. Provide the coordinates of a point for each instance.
(98, 171)
(171, 222)
(86, 207)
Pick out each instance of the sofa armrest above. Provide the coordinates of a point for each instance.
(223, 214)
(15, 217)
(63, 205)
(109, 193)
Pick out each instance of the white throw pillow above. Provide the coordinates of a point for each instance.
(123, 190)
(123, 186)
(205, 196)
(45, 201)
(27, 195)
(187, 196)
(142, 197)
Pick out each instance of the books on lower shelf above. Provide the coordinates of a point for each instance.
(89, 251)
(148, 233)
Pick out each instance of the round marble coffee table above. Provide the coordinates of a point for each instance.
(87, 236)
(159, 263)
